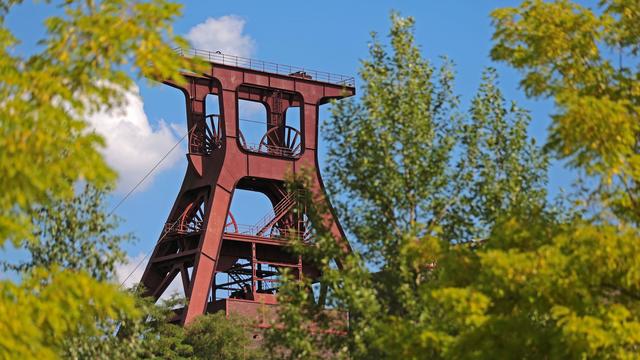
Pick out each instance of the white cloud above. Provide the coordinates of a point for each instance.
(222, 34)
(130, 273)
(133, 147)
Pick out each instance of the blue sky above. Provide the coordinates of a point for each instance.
(324, 35)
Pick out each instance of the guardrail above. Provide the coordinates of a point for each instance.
(266, 66)
(181, 227)
(272, 150)
(277, 234)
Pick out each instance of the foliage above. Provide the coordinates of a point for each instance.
(417, 181)
(587, 61)
(211, 336)
(408, 137)
(576, 291)
(162, 339)
(150, 335)
(459, 254)
(153, 334)
(82, 65)
(216, 336)
(543, 283)
(50, 306)
(47, 95)
(76, 234)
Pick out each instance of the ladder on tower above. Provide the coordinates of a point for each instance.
(276, 110)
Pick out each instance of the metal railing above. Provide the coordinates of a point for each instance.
(265, 227)
(268, 221)
(277, 234)
(182, 227)
(266, 66)
(272, 150)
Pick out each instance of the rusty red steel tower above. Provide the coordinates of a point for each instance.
(225, 266)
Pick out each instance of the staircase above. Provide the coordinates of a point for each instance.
(267, 222)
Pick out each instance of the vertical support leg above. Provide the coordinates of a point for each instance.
(205, 264)
(310, 128)
(199, 291)
(229, 114)
(213, 287)
(254, 261)
(329, 217)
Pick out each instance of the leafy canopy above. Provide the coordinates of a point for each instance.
(411, 174)
(83, 64)
(154, 336)
(544, 282)
(80, 66)
(587, 61)
(76, 234)
(50, 306)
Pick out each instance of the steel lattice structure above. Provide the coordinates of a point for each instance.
(201, 237)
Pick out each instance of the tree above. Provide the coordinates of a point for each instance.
(586, 61)
(150, 336)
(76, 234)
(83, 64)
(419, 184)
(573, 290)
(211, 336)
(63, 307)
(214, 336)
(47, 96)
(543, 283)
(155, 335)
(49, 306)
